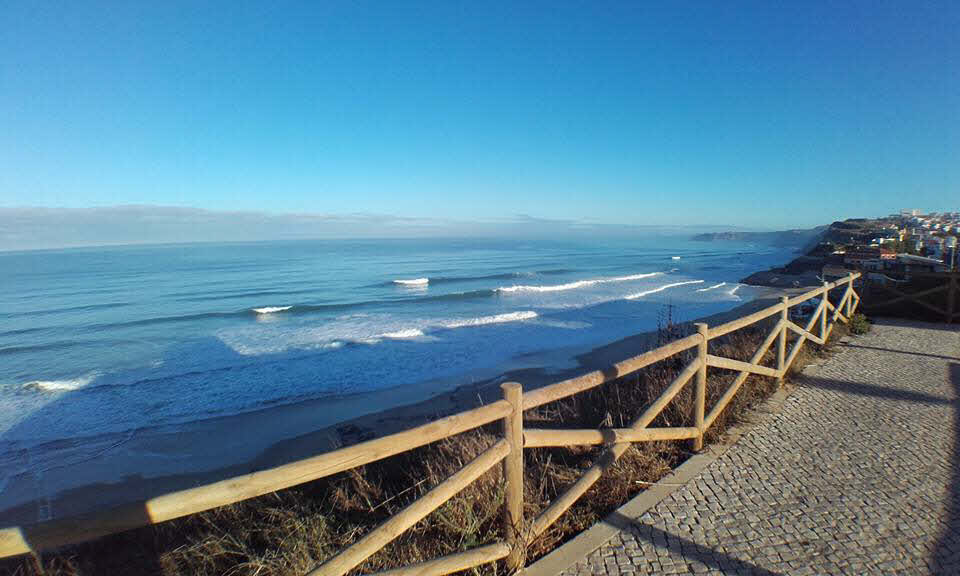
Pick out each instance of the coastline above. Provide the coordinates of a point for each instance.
(215, 449)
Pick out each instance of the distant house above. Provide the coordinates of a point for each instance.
(868, 257)
(860, 255)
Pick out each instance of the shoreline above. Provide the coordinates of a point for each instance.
(210, 450)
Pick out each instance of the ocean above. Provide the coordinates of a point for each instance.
(100, 343)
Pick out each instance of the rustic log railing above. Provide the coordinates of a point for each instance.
(508, 450)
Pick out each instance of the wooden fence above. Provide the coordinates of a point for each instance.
(508, 450)
(946, 286)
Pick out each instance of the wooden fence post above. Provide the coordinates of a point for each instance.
(849, 309)
(700, 395)
(824, 313)
(782, 338)
(513, 474)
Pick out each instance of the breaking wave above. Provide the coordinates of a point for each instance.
(461, 279)
(401, 334)
(495, 319)
(577, 284)
(661, 289)
(271, 309)
(58, 385)
(714, 287)
(291, 309)
(351, 331)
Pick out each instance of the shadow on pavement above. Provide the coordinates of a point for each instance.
(713, 559)
(891, 350)
(946, 557)
(872, 390)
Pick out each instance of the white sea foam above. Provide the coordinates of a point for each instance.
(495, 319)
(400, 334)
(271, 309)
(577, 284)
(255, 350)
(58, 385)
(368, 329)
(276, 338)
(674, 257)
(413, 282)
(734, 291)
(661, 289)
(714, 287)
(565, 324)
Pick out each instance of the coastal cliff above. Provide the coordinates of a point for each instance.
(803, 239)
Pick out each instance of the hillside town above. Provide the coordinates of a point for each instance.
(892, 248)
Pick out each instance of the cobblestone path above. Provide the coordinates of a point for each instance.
(859, 473)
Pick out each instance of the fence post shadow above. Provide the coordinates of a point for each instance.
(691, 550)
(119, 539)
(946, 556)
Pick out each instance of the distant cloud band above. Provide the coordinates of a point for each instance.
(28, 228)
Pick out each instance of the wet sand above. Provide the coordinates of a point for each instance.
(152, 462)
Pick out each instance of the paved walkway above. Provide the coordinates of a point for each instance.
(859, 473)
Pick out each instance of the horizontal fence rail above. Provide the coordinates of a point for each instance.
(22, 540)
(507, 451)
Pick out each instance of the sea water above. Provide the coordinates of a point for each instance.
(103, 342)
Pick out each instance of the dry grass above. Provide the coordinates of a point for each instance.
(289, 532)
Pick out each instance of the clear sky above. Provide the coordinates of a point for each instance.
(742, 113)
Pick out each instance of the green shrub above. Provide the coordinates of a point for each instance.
(859, 324)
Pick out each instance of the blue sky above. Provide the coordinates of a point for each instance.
(740, 113)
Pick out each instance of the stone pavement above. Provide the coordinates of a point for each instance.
(857, 474)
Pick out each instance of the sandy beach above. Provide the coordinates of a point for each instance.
(151, 462)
